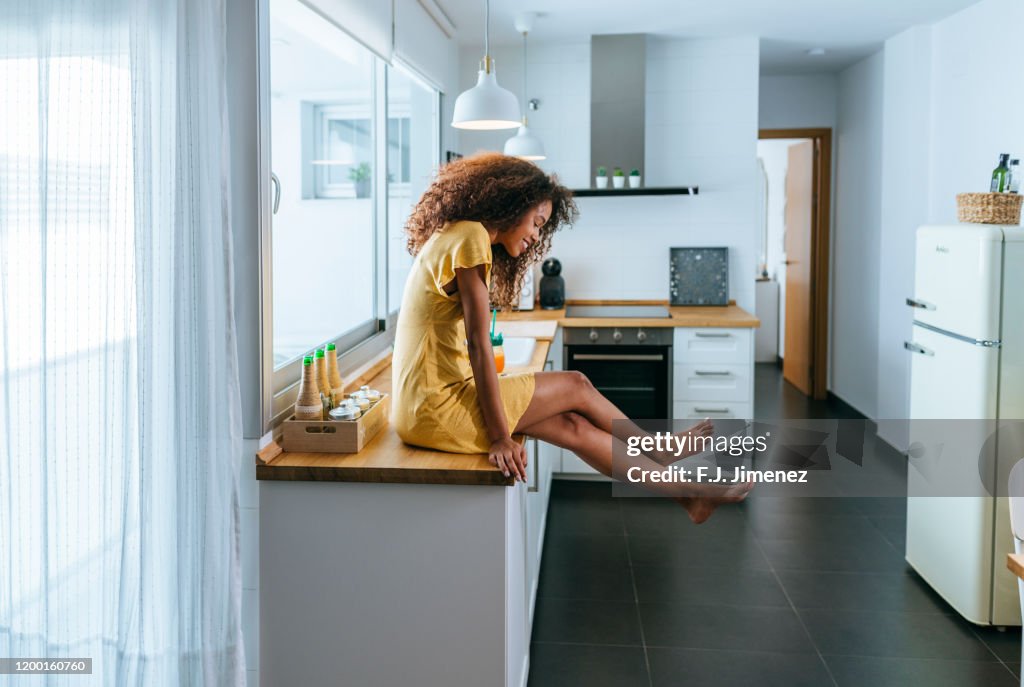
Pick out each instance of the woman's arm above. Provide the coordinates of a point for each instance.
(508, 455)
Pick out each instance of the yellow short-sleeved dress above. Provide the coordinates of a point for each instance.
(434, 400)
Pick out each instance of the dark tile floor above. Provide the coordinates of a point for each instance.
(789, 592)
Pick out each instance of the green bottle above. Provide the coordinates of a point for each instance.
(1000, 175)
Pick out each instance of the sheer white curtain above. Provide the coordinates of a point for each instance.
(120, 420)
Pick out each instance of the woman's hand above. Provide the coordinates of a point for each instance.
(509, 456)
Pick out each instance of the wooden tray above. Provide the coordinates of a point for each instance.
(336, 436)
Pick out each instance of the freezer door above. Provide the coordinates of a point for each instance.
(957, 279)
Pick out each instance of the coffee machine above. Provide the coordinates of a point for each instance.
(552, 286)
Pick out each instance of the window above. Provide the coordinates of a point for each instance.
(344, 147)
(353, 143)
(413, 145)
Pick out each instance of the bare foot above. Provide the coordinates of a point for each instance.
(704, 428)
(700, 508)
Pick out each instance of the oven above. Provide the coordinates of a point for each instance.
(631, 366)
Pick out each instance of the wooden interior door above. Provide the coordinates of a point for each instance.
(798, 354)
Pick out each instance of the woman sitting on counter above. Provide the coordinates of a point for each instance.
(486, 215)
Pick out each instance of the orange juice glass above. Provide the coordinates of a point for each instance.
(499, 358)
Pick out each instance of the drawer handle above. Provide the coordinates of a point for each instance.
(717, 373)
(711, 335)
(711, 410)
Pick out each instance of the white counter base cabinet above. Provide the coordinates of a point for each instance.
(712, 376)
(399, 584)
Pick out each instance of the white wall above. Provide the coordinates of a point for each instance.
(975, 110)
(905, 157)
(798, 101)
(701, 129)
(855, 236)
(947, 115)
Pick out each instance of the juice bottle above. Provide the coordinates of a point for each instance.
(337, 386)
(322, 381)
(308, 405)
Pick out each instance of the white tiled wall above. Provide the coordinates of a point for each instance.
(701, 129)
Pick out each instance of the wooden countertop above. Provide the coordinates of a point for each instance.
(1015, 562)
(729, 316)
(387, 458)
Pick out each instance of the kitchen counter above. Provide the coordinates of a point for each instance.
(728, 316)
(387, 459)
(382, 568)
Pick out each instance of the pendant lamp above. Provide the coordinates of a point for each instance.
(524, 144)
(486, 106)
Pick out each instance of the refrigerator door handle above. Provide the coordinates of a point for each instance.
(917, 348)
(924, 305)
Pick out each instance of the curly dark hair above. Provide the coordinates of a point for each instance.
(496, 190)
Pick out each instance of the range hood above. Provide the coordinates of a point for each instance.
(618, 65)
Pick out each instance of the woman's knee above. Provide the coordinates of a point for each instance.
(579, 381)
(576, 425)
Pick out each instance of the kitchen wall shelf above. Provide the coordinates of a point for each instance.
(646, 191)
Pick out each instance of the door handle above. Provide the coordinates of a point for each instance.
(535, 468)
(924, 305)
(917, 348)
(712, 335)
(716, 373)
(277, 192)
(618, 356)
(711, 410)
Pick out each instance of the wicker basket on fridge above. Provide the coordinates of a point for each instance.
(989, 208)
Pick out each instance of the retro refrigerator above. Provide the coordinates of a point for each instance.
(967, 386)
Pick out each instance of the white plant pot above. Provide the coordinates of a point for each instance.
(601, 182)
(619, 182)
(634, 181)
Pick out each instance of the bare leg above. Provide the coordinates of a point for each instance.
(559, 392)
(574, 432)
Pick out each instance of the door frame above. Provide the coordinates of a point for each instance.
(821, 199)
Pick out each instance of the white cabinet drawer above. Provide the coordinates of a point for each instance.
(712, 409)
(711, 345)
(711, 382)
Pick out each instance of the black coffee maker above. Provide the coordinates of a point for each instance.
(552, 286)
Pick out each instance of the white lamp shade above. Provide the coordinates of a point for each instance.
(486, 106)
(525, 145)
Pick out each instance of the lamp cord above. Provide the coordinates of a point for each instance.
(524, 79)
(487, 30)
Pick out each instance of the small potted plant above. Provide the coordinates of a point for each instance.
(360, 177)
(601, 180)
(634, 178)
(618, 178)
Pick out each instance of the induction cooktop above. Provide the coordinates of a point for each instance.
(637, 311)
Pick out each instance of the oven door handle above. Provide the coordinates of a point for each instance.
(619, 356)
